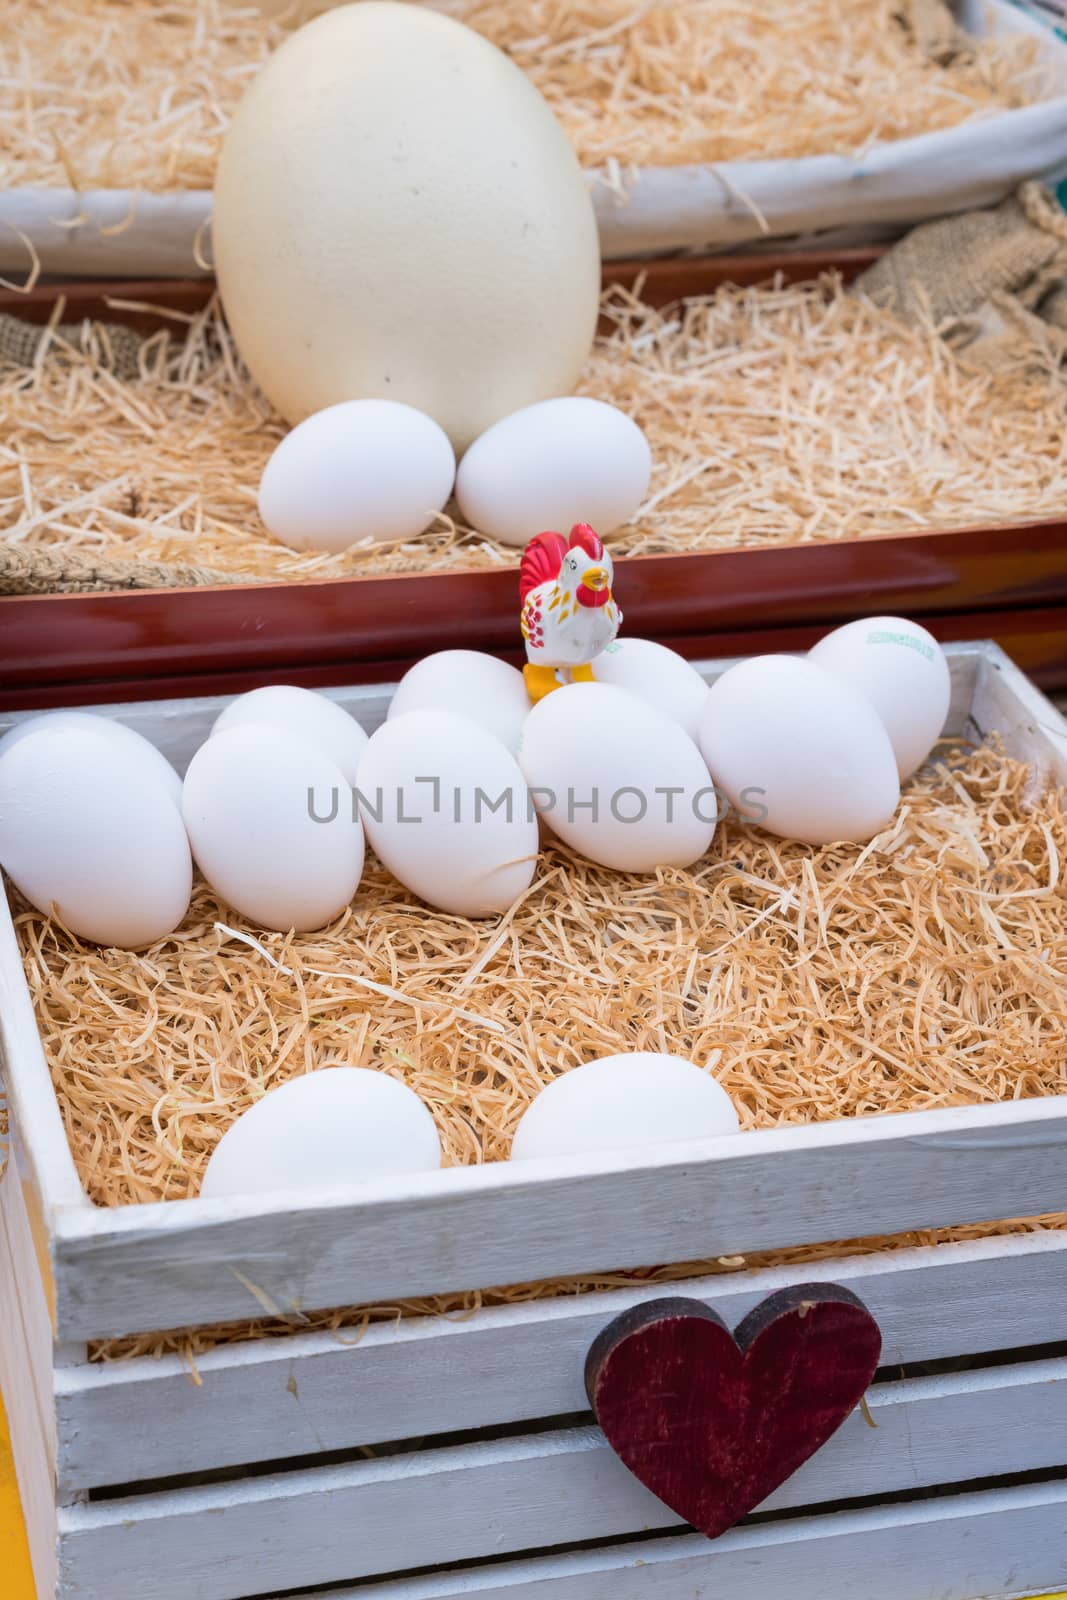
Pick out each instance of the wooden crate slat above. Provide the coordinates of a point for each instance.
(1035, 639)
(1028, 724)
(1003, 1541)
(179, 725)
(45, 1160)
(65, 640)
(269, 1399)
(307, 1527)
(144, 303)
(171, 1264)
(26, 1380)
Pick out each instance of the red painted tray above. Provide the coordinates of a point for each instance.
(162, 642)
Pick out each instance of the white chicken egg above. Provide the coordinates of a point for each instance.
(798, 751)
(901, 669)
(446, 809)
(551, 465)
(661, 677)
(363, 469)
(339, 1125)
(639, 1099)
(470, 683)
(135, 745)
(625, 786)
(86, 823)
(270, 819)
(303, 714)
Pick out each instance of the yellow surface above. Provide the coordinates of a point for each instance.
(16, 1581)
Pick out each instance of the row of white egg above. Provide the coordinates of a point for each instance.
(634, 769)
(97, 826)
(342, 1124)
(630, 770)
(376, 470)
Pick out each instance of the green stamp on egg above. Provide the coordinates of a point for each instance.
(908, 640)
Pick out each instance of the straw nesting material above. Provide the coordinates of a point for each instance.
(123, 93)
(138, 93)
(926, 969)
(775, 415)
(723, 80)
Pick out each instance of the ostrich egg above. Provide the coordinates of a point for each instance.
(399, 216)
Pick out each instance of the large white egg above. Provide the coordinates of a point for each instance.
(617, 781)
(134, 744)
(902, 670)
(86, 823)
(362, 470)
(339, 1125)
(798, 751)
(398, 215)
(639, 1099)
(470, 683)
(446, 809)
(551, 465)
(661, 677)
(304, 715)
(270, 819)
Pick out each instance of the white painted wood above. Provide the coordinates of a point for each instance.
(179, 727)
(964, 665)
(186, 1261)
(25, 1380)
(264, 1401)
(438, 1506)
(47, 1161)
(31, 1303)
(1002, 1542)
(1007, 703)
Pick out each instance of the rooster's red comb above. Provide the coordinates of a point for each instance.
(585, 539)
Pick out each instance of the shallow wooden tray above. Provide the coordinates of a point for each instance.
(78, 648)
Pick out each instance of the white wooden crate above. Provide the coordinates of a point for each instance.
(139, 1485)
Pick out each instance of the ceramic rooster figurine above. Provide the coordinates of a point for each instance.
(568, 613)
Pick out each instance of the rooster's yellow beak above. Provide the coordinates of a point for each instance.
(595, 578)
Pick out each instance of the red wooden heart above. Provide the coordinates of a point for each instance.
(711, 1421)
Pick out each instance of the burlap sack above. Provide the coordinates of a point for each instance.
(1053, 306)
(29, 570)
(1004, 334)
(992, 282)
(934, 29)
(118, 348)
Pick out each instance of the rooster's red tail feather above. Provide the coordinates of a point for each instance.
(541, 560)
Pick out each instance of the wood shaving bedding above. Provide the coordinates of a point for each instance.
(138, 93)
(776, 415)
(926, 969)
